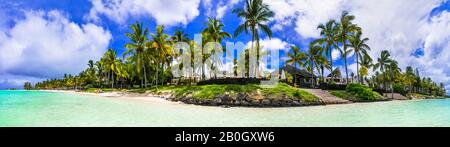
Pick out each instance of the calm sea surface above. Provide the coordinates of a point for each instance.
(35, 108)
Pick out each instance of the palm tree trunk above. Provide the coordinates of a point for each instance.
(295, 78)
(312, 72)
(346, 69)
(157, 73)
(331, 64)
(323, 74)
(253, 40)
(257, 58)
(145, 76)
(357, 68)
(112, 79)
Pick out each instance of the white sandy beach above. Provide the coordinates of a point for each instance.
(121, 95)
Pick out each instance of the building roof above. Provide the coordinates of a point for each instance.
(299, 72)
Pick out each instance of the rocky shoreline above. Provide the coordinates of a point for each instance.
(240, 100)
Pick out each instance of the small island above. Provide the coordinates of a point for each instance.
(147, 68)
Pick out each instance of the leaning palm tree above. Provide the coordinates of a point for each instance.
(329, 38)
(383, 63)
(346, 28)
(360, 48)
(137, 48)
(214, 33)
(255, 14)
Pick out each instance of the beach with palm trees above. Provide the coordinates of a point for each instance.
(193, 70)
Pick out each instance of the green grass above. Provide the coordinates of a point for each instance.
(343, 94)
(284, 90)
(209, 92)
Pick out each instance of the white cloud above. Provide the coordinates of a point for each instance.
(272, 44)
(221, 7)
(165, 12)
(336, 55)
(47, 45)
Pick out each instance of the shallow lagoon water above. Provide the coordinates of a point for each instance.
(36, 108)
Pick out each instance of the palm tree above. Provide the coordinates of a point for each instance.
(360, 48)
(366, 64)
(329, 34)
(410, 78)
(296, 57)
(393, 70)
(137, 48)
(383, 63)
(161, 50)
(312, 57)
(214, 33)
(255, 14)
(346, 28)
(180, 36)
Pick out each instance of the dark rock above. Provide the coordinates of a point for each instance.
(244, 103)
(237, 103)
(255, 103)
(266, 102)
(248, 98)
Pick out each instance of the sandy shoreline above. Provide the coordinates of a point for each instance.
(120, 95)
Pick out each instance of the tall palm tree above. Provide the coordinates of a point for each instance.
(180, 36)
(110, 63)
(394, 70)
(329, 34)
(366, 64)
(214, 33)
(137, 48)
(255, 14)
(346, 28)
(360, 48)
(296, 57)
(383, 63)
(410, 78)
(161, 50)
(312, 57)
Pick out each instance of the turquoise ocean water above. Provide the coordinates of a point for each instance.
(34, 108)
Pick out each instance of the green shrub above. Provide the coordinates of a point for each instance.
(362, 92)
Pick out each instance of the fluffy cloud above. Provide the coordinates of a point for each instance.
(400, 26)
(165, 12)
(47, 44)
(220, 8)
(272, 44)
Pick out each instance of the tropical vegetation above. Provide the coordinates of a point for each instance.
(147, 62)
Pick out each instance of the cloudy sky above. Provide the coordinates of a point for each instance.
(42, 39)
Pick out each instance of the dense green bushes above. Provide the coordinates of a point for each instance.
(362, 92)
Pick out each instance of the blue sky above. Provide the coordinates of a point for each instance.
(42, 39)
